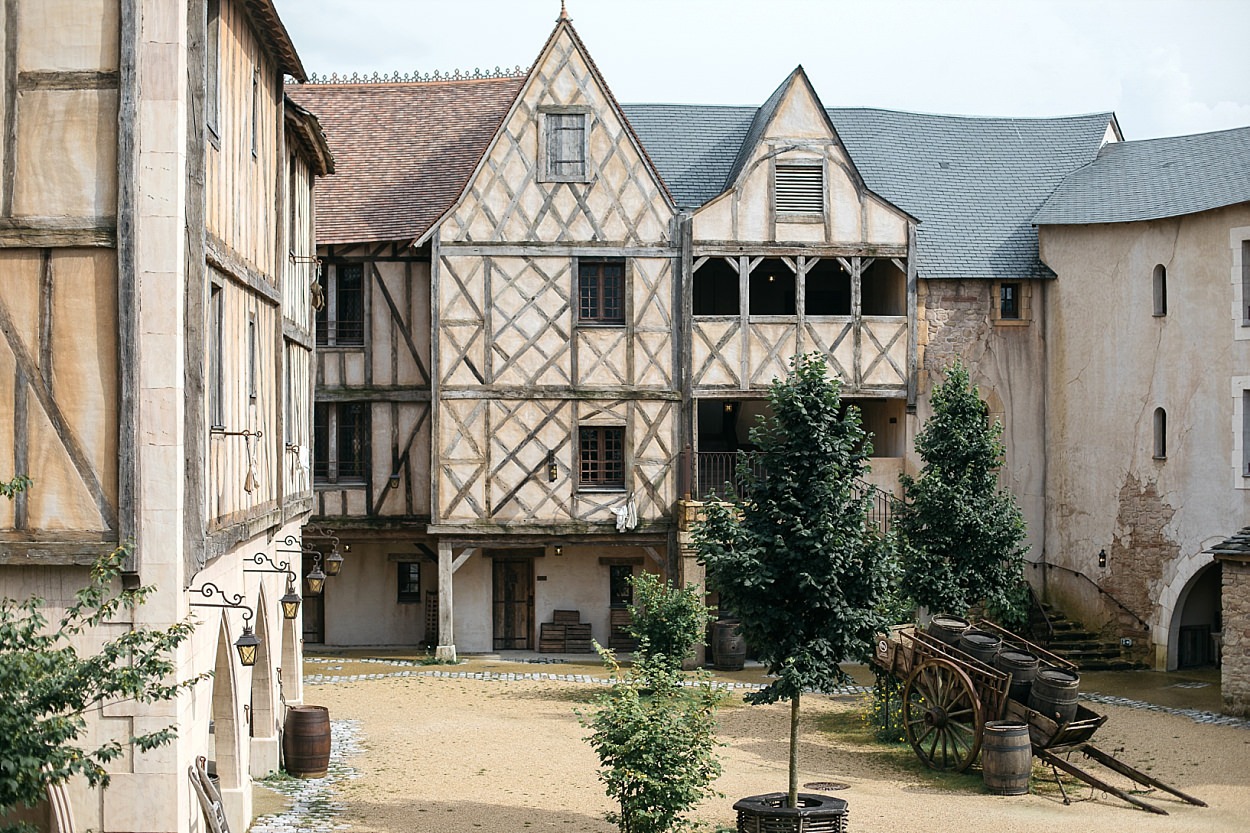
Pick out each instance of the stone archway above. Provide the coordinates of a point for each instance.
(1196, 617)
(223, 752)
(262, 724)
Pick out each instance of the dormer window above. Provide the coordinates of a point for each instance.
(564, 156)
(800, 189)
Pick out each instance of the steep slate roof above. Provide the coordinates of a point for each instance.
(1236, 547)
(1155, 178)
(402, 151)
(974, 183)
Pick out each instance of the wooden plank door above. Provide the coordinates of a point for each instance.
(513, 603)
(313, 608)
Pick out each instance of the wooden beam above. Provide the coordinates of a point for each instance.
(219, 255)
(32, 232)
(67, 80)
(127, 284)
(10, 106)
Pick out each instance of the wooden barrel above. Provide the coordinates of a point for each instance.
(729, 652)
(1054, 694)
(1006, 757)
(947, 628)
(980, 644)
(1023, 670)
(306, 741)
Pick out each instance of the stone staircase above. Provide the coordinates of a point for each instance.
(1070, 640)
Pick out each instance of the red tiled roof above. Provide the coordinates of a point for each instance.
(402, 151)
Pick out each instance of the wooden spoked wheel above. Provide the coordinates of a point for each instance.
(942, 715)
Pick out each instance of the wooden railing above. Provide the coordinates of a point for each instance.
(713, 475)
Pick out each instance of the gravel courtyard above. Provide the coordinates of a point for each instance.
(495, 745)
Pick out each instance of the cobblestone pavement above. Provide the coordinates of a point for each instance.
(314, 808)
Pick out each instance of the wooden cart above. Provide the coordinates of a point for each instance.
(949, 695)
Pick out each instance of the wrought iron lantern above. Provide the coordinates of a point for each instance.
(248, 641)
(290, 602)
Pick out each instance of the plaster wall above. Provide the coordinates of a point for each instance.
(1112, 363)
(361, 603)
(1006, 361)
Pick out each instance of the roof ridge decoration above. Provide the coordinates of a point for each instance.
(417, 76)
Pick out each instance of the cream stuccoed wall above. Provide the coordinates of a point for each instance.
(1112, 362)
(361, 602)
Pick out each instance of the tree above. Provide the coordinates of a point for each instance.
(49, 686)
(795, 556)
(961, 535)
(656, 741)
(666, 620)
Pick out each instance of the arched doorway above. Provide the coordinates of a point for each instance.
(262, 724)
(1197, 620)
(223, 736)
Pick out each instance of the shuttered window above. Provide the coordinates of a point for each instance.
(566, 147)
(800, 189)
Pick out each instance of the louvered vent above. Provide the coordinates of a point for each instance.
(800, 189)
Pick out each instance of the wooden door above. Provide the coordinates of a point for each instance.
(513, 603)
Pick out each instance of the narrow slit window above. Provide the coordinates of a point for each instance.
(255, 111)
(1161, 434)
(800, 189)
(1161, 290)
(212, 65)
(1245, 282)
(216, 408)
(251, 359)
(1009, 301)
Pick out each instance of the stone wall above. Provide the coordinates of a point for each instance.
(1141, 548)
(1235, 676)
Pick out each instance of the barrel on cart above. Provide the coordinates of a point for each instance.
(949, 694)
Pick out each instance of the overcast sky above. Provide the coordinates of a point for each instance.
(1166, 67)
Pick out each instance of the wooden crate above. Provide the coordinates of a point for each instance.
(577, 639)
(566, 617)
(551, 638)
(618, 637)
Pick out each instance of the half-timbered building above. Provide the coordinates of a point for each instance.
(156, 342)
(600, 296)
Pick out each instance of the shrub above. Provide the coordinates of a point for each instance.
(656, 743)
(667, 620)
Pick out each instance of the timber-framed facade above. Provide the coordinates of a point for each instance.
(156, 343)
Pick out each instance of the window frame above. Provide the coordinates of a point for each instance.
(404, 577)
(329, 429)
(216, 370)
(1010, 309)
(601, 463)
(548, 147)
(617, 574)
(601, 283)
(1159, 425)
(212, 69)
(328, 319)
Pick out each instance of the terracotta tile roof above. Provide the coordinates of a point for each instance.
(402, 152)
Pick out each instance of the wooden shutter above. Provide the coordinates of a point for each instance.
(800, 189)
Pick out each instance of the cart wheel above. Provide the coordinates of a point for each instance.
(942, 715)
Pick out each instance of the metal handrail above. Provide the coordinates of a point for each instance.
(1037, 602)
(1044, 565)
(714, 474)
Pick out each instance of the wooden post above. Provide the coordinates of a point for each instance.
(446, 649)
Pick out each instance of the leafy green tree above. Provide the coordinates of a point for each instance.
(961, 535)
(667, 621)
(796, 557)
(49, 686)
(656, 741)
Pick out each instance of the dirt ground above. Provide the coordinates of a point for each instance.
(463, 754)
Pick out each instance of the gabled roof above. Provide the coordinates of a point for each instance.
(974, 183)
(272, 32)
(1235, 548)
(1155, 178)
(310, 139)
(402, 152)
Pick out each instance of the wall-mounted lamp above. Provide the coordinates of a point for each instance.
(1102, 558)
(552, 471)
(290, 602)
(334, 561)
(248, 642)
(729, 407)
(393, 481)
(315, 581)
(559, 550)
